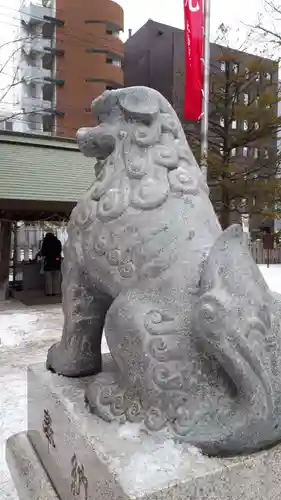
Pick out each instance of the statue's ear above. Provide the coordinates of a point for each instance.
(139, 103)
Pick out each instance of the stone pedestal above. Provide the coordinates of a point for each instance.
(68, 453)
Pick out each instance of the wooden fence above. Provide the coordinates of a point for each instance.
(262, 256)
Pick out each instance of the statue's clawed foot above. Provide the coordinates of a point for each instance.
(105, 398)
(72, 363)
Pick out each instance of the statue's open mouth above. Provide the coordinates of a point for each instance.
(97, 142)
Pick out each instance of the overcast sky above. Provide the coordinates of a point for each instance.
(137, 12)
(171, 12)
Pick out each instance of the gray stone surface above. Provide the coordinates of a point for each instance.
(28, 474)
(125, 462)
(191, 325)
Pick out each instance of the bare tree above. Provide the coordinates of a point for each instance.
(13, 79)
(267, 29)
(243, 161)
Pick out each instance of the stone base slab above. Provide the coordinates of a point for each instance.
(87, 458)
(27, 471)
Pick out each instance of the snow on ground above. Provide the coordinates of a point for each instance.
(25, 336)
(26, 333)
(272, 275)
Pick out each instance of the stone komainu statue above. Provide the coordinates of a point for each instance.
(191, 325)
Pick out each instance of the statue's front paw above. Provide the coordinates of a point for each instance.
(105, 398)
(72, 364)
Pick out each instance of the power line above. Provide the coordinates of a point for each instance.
(65, 30)
(87, 43)
(42, 112)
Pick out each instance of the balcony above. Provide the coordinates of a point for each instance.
(36, 45)
(31, 13)
(34, 74)
(33, 104)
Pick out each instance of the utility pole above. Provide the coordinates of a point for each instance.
(206, 91)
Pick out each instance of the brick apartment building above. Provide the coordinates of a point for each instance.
(71, 52)
(155, 57)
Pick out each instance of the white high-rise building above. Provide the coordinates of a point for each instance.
(68, 53)
(35, 66)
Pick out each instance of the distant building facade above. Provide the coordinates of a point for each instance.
(155, 57)
(69, 54)
(10, 119)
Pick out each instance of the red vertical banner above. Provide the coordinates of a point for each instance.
(194, 53)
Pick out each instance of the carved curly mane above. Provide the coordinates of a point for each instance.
(150, 159)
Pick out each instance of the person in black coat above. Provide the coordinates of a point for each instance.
(51, 252)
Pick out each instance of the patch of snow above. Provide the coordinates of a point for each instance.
(29, 325)
(13, 393)
(130, 432)
(272, 276)
(153, 467)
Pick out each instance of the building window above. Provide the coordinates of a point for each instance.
(256, 153)
(223, 66)
(233, 151)
(114, 61)
(256, 125)
(222, 121)
(246, 99)
(113, 33)
(245, 125)
(245, 152)
(235, 68)
(266, 154)
(9, 126)
(109, 85)
(267, 76)
(234, 124)
(247, 73)
(33, 90)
